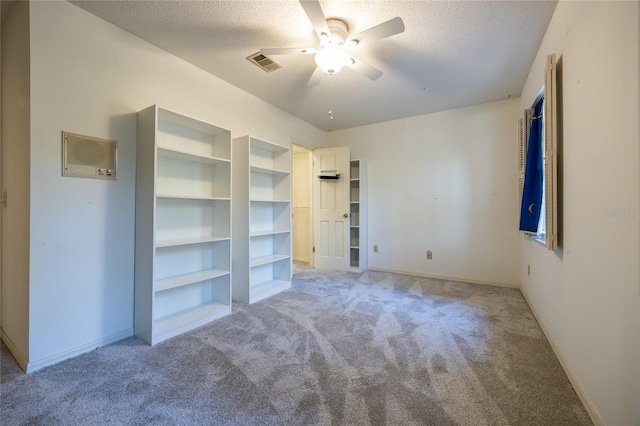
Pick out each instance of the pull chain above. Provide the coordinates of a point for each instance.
(330, 99)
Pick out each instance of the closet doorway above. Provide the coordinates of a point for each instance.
(302, 170)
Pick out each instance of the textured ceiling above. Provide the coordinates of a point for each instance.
(451, 54)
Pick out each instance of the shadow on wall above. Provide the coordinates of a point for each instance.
(118, 251)
(559, 252)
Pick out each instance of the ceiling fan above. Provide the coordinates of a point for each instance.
(332, 55)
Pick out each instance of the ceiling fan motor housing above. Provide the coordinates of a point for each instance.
(339, 32)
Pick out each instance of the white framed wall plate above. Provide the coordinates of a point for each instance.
(88, 156)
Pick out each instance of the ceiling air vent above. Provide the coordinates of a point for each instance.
(263, 62)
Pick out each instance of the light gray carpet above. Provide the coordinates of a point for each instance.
(339, 348)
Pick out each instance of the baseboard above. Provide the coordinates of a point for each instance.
(447, 277)
(20, 358)
(78, 350)
(577, 386)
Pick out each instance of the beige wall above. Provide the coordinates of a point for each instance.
(445, 182)
(301, 200)
(15, 180)
(90, 77)
(586, 293)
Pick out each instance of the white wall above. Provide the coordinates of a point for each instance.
(445, 182)
(15, 180)
(586, 293)
(90, 77)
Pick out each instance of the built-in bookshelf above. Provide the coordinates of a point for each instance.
(183, 224)
(261, 219)
(358, 213)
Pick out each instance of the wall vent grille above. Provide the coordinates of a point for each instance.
(264, 62)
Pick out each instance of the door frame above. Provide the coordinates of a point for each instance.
(309, 179)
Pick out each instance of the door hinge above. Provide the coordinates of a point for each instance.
(4, 198)
(314, 249)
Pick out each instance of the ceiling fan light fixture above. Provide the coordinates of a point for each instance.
(331, 59)
(331, 56)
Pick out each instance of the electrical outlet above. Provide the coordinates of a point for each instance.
(375, 248)
(429, 255)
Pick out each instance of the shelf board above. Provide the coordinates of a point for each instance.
(186, 156)
(269, 171)
(355, 247)
(195, 316)
(192, 123)
(269, 232)
(265, 289)
(192, 197)
(268, 146)
(263, 260)
(355, 180)
(187, 241)
(264, 200)
(186, 279)
(355, 226)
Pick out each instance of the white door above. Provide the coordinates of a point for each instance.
(331, 209)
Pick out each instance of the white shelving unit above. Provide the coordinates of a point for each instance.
(358, 231)
(183, 224)
(261, 219)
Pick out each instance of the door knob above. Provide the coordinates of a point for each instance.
(346, 215)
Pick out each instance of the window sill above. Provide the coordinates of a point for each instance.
(539, 238)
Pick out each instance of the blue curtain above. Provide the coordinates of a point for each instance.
(533, 174)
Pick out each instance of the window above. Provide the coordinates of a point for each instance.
(538, 206)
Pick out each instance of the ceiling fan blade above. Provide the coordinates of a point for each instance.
(386, 29)
(316, 16)
(315, 77)
(371, 72)
(288, 50)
